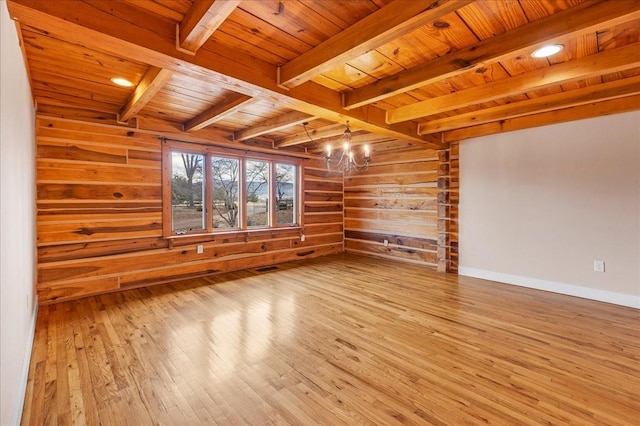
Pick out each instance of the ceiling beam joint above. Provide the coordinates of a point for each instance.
(152, 82)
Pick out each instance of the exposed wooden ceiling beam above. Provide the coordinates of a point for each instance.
(275, 124)
(154, 79)
(586, 95)
(609, 61)
(303, 137)
(386, 24)
(99, 26)
(202, 19)
(557, 28)
(218, 112)
(597, 109)
(317, 100)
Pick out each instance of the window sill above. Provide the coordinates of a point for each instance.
(233, 236)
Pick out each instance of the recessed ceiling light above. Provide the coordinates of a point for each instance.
(548, 50)
(121, 82)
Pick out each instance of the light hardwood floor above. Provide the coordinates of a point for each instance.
(335, 340)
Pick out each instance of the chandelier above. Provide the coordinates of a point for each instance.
(345, 159)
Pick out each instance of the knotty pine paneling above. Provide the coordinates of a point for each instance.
(99, 219)
(323, 203)
(395, 200)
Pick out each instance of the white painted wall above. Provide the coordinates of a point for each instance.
(17, 223)
(538, 206)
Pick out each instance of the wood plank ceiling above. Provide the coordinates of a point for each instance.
(253, 71)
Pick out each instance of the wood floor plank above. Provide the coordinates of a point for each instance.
(337, 340)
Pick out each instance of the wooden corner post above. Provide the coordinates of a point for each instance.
(448, 197)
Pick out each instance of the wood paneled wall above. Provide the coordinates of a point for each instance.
(409, 199)
(99, 219)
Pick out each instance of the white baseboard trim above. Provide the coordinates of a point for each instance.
(24, 373)
(622, 299)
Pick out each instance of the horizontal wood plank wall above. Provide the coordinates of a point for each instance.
(396, 200)
(99, 221)
(323, 203)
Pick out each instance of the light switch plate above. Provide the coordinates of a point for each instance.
(598, 265)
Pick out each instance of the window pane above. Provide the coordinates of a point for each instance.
(286, 194)
(187, 192)
(257, 189)
(224, 172)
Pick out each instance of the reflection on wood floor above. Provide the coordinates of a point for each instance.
(335, 340)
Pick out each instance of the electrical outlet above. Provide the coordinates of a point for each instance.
(199, 249)
(386, 243)
(598, 265)
(303, 238)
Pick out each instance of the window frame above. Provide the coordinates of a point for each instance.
(242, 155)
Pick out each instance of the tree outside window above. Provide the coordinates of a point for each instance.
(225, 176)
(187, 192)
(285, 194)
(257, 190)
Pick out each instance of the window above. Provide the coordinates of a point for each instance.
(286, 191)
(257, 189)
(225, 175)
(219, 190)
(187, 192)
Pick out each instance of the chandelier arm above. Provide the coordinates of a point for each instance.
(347, 160)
